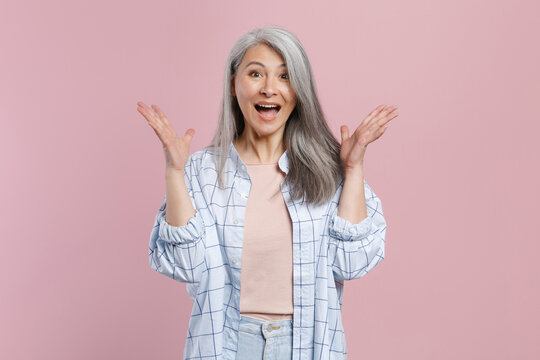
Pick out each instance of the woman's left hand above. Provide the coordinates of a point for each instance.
(353, 147)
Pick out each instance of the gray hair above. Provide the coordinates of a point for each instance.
(313, 152)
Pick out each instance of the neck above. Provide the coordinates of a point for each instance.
(259, 150)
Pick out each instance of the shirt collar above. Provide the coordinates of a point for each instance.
(242, 168)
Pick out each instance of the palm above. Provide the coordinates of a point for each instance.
(177, 153)
(176, 149)
(353, 147)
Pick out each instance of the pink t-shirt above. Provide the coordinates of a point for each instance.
(266, 282)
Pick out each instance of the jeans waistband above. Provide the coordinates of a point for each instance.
(265, 327)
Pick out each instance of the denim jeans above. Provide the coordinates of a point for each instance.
(260, 339)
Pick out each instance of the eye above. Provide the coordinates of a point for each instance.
(253, 72)
(286, 76)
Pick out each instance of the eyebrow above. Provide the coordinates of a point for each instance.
(261, 64)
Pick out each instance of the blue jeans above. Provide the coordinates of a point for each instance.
(260, 339)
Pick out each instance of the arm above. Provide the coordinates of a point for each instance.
(177, 250)
(356, 247)
(352, 202)
(357, 234)
(180, 207)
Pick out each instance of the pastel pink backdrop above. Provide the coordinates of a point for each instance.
(83, 173)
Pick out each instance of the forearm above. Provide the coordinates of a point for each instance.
(179, 207)
(352, 202)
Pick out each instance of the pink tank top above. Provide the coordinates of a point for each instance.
(266, 281)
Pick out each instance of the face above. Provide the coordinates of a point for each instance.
(263, 91)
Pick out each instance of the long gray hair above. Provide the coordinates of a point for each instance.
(313, 152)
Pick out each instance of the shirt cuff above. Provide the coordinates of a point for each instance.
(193, 231)
(342, 229)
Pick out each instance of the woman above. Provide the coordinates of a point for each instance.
(267, 222)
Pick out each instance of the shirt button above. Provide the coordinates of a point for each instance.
(235, 221)
(234, 261)
(243, 166)
(243, 195)
(269, 327)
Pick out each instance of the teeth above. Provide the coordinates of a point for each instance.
(267, 106)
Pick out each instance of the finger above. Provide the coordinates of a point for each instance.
(382, 118)
(160, 113)
(148, 110)
(153, 123)
(151, 113)
(376, 110)
(189, 135)
(381, 131)
(383, 121)
(387, 111)
(344, 133)
(147, 114)
(145, 107)
(158, 132)
(373, 115)
(157, 110)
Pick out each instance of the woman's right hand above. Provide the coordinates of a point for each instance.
(176, 149)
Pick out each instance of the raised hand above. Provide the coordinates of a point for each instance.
(353, 147)
(176, 148)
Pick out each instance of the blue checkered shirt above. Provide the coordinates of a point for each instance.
(206, 253)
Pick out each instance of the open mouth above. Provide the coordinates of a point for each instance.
(267, 110)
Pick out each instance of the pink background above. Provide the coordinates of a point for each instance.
(457, 171)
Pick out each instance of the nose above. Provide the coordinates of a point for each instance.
(268, 87)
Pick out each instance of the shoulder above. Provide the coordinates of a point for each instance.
(202, 158)
(202, 164)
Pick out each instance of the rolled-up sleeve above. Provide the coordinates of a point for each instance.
(355, 249)
(178, 251)
(193, 231)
